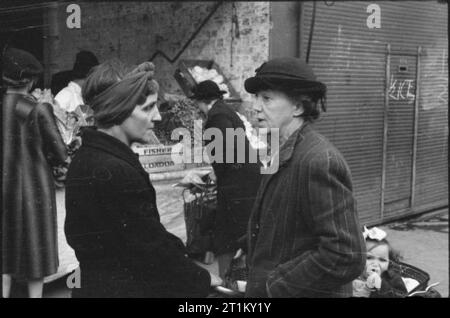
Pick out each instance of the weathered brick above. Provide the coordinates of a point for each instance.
(133, 31)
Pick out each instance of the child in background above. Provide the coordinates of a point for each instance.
(378, 279)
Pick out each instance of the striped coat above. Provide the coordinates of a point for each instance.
(304, 237)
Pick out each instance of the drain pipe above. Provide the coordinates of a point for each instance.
(311, 30)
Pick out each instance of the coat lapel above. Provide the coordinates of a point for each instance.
(285, 154)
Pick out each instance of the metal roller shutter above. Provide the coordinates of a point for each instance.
(351, 59)
(432, 142)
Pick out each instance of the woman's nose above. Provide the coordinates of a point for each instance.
(256, 105)
(157, 116)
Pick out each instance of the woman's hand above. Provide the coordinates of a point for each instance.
(215, 280)
(212, 176)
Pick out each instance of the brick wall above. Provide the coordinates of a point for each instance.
(133, 31)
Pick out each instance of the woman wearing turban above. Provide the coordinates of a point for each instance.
(31, 146)
(112, 221)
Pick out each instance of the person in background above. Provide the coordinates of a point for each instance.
(32, 145)
(237, 182)
(113, 223)
(59, 81)
(304, 236)
(70, 96)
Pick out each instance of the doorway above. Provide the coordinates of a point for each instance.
(400, 138)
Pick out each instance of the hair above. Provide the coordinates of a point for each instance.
(394, 255)
(310, 96)
(208, 100)
(84, 62)
(101, 77)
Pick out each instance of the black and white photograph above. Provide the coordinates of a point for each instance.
(224, 152)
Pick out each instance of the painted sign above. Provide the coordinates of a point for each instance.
(157, 158)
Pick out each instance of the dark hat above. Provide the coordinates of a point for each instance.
(285, 70)
(19, 67)
(206, 90)
(84, 61)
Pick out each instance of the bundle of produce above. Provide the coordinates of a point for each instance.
(201, 74)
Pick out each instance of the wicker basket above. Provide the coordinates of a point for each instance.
(409, 271)
(199, 216)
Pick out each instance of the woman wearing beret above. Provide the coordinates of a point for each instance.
(31, 146)
(237, 182)
(304, 237)
(113, 223)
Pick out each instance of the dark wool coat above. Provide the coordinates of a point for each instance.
(113, 225)
(31, 146)
(237, 183)
(304, 235)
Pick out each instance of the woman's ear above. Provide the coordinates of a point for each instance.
(298, 112)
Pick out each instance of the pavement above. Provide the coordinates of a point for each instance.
(423, 241)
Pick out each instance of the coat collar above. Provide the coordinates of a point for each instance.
(91, 137)
(286, 152)
(218, 107)
(287, 149)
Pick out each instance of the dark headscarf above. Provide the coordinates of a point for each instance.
(116, 103)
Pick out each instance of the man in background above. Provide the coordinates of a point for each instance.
(66, 85)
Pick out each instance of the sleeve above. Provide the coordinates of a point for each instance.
(54, 147)
(339, 256)
(63, 99)
(154, 248)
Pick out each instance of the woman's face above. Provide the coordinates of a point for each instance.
(141, 121)
(202, 106)
(377, 258)
(274, 109)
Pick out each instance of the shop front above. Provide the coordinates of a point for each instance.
(387, 87)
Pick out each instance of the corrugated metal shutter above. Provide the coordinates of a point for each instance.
(351, 59)
(432, 144)
(353, 67)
